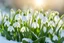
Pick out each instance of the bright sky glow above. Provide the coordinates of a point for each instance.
(38, 2)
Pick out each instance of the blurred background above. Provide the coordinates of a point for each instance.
(57, 5)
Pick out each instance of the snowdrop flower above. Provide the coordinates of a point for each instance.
(35, 25)
(60, 23)
(39, 16)
(27, 40)
(10, 28)
(28, 11)
(7, 23)
(23, 18)
(23, 29)
(54, 13)
(31, 10)
(48, 40)
(21, 42)
(12, 14)
(22, 13)
(35, 13)
(57, 28)
(55, 37)
(44, 20)
(48, 12)
(51, 31)
(30, 21)
(5, 19)
(51, 23)
(16, 24)
(56, 19)
(29, 16)
(5, 15)
(18, 17)
(62, 34)
(44, 29)
(12, 11)
(63, 42)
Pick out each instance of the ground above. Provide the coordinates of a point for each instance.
(4, 40)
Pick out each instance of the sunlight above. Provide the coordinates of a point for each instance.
(38, 2)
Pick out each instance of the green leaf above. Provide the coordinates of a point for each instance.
(40, 40)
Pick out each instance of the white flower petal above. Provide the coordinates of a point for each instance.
(44, 29)
(48, 40)
(23, 29)
(51, 23)
(60, 23)
(16, 24)
(57, 28)
(40, 15)
(55, 37)
(51, 31)
(35, 25)
(18, 17)
(62, 34)
(56, 18)
(63, 42)
(7, 23)
(44, 20)
(29, 16)
(10, 28)
(12, 11)
(24, 18)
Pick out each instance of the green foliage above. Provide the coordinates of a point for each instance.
(32, 27)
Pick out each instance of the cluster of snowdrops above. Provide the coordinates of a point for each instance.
(32, 26)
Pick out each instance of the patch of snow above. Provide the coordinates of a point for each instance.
(4, 40)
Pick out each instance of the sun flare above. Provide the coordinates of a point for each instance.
(38, 2)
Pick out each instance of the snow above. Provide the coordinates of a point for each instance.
(4, 40)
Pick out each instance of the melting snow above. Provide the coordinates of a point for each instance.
(4, 40)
